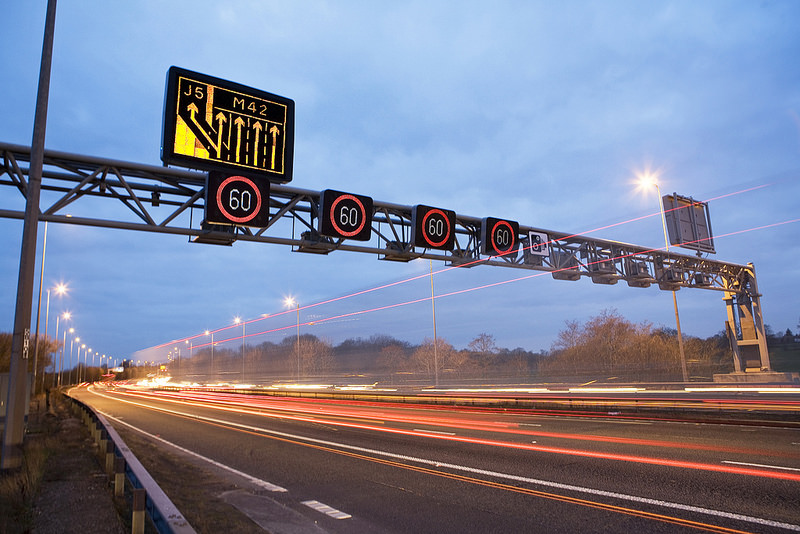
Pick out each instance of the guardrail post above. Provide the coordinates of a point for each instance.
(96, 432)
(102, 444)
(137, 521)
(119, 477)
(109, 457)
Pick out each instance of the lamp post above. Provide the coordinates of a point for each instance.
(289, 302)
(237, 320)
(80, 374)
(211, 374)
(435, 341)
(85, 363)
(60, 290)
(71, 359)
(67, 315)
(649, 179)
(39, 309)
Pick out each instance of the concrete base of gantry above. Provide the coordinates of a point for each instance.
(758, 377)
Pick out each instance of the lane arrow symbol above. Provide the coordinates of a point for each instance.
(239, 123)
(274, 131)
(192, 108)
(221, 119)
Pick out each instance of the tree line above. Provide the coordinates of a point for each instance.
(605, 347)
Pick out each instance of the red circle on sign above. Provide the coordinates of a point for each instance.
(336, 227)
(225, 212)
(425, 233)
(510, 231)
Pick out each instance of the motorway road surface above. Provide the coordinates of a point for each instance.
(346, 466)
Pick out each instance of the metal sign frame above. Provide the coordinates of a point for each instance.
(688, 223)
(215, 124)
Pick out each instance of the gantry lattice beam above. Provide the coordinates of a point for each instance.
(168, 200)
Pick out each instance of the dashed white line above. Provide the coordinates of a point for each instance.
(435, 432)
(327, 510)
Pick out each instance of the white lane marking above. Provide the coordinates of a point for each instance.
(434, 432)
(761, 465)
(517, 478)
(621, 422)
(327, 510)
(529, 424)
(257, 481)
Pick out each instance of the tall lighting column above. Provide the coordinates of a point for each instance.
(238, 320)
(648, 179)
(289, 302)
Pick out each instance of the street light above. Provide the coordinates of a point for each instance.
(289, 302)
(435, 340)
(78, 340)
(66, 316)
(60, 290)
(71, 359)
(211, 374)
(648, 179)
(85, 363)
(238, 320)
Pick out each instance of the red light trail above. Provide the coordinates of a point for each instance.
(191, 400)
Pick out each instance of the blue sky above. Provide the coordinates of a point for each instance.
(537, 112)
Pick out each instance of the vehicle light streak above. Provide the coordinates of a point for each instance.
(728, 469)
(380, 456)
(450, 422)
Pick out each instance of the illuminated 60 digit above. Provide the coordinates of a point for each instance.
(435, 227)
(348, 217)
(240, 199)
(502, 237)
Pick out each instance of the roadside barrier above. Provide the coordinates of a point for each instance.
(147, 498)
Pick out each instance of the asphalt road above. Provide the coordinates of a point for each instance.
(338, 466)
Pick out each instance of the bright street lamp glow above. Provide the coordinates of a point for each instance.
(289, 302)
(648, 179)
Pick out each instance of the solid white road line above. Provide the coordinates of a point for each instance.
(257, 481)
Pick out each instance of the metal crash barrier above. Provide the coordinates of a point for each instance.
(147, 498)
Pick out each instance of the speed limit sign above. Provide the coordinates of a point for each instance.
(345, 215)
(499, 237)
(433, 227)
(238, 200)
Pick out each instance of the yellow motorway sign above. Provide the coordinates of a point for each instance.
(215, 124)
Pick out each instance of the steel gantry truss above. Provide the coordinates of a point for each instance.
(164, 200)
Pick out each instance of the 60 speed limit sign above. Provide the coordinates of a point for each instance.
(499, 237)
(345, 215)
(238, 200)
(433, 227)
